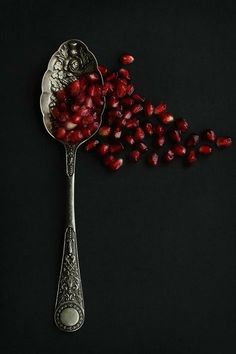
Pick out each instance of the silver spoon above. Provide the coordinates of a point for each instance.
(67, 64)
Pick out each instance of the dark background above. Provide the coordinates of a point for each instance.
(157, 246)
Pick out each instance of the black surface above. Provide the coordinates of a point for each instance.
(157, 246)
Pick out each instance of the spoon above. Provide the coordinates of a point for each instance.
(69, 63)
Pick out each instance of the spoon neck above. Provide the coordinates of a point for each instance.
(70, 176)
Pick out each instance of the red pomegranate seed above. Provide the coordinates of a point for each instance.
(142, 147)
(126, 59)
(137, 97)
(113, 102)
(124, 73)
(94, 90)
(104, 130)
(160, 108)
(86, 132)
(111, 77)
(166, 118)
(83, 82)
(98, 101)
(130, 89)
(181, 124)
(80, 98)
(120, 122)
(175, 136)
(93, 77)
(93, 127)
(117, 133)
(160, 130)
(127, 101)
(179, 150)
(205, 150)
(76, 136)
(127, 115)
(115, 164)
(103, 149)
(148, 109)
(136, 108)
(76, 118)
(60, 133)
(87, 120)
(132, 123)
(192, 140)
(88, 102)
(159, 141)
(191, 157)
(103, 70)
(168, 156)
(129, 139)
(55, 112)
(63, 117)
(74, 88)
(61, 95)
(209, 135)
(69, 125)
(121, 89)
(148, 128)
(134, 156)
(152, 159)
(107, 160)
(75, 107)
(91, 144)
(116, 148)
(62, 107)
(139, 134)
(108, 87)
(223, 142)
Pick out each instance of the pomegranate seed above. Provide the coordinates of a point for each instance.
(93, 77)
(62, 107)
(166, 118)
(61, 95)
(127, 101)
(88, 102)
(76, 118)
(126, 59)
(103, 70)
(76, 136)
(127, 115)
(115, 164)
(86, 132)
(63, 117)
(91, 144)
(113, 102)
(136, 108)
(168, 156)
(148, 128)
(132, 123)
(84, 111)
(159, 141)
(205, 150)
(179, 150)
(124, 73)
(104, 130)
(137, 97)
(60, 133)
(75, 107)
(69, 125)
(111, 77)
(191, 157)
(134, 156)
(55, 112)
(120, 122)
(87, 120)
(142, 147)
(93, 127)
(181, 124)
(121, 89)
(107, 160)
(130, 89)
(223, 142)
(160, 108)
(94, 90)
(192, 140)
(117, 133)
(209, 135)
(80, 98)
(129, 139)
(108, 87)
(103, 149)
(139, 134)
(175, 136)
(159, 130)
(98, 101)
(116, 148)
(74, 88)
(152, 159)
(148, 109)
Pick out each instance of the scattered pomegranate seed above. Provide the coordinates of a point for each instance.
(126, 59)
(115, 164)
(181, 124)
(223, 142)
(129, 139)
(115, 148)
(148, 128)
(159, 130)
(111, 77)
(191, 157)
(91, 144)
(76, 136)
(205, 149)
(166, 118)
(136, 108)
(179, 150)
(113, 102)
(160, 108)
(130, 89)
(60, 133)
(152, 159)
(124, 73)
(107, 160)
(175, 136)
(121, 89)
(139, 134)
(192, 140)
(103, 149)
(127, 101)
(148, 109)
(142, 147)
(168, 156)
(209, 135)
(103, 70)
(132, 123)
(74, 88)
(137, 97)
(104, 130)
(127, 115)
(159, 141)
(134, 156)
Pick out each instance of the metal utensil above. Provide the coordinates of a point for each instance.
(67, 64)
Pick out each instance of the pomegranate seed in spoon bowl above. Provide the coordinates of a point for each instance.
(72, 106)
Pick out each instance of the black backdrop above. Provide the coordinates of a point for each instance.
(157, 246)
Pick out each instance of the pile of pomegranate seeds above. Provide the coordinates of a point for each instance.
(132, 126)
(76, 114)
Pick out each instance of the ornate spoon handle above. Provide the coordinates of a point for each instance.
(69, 307)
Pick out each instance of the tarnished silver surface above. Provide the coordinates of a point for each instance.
(71, 60)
